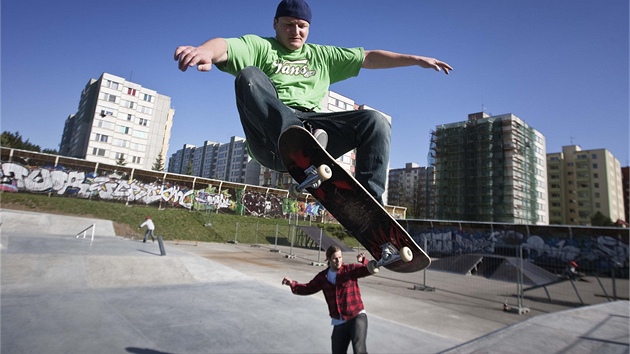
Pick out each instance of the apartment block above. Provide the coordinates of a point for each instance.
(412, 187)
(582, 183)
(490, 168)
(119, 121)
(226, 162)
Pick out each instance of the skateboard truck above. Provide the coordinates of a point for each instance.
(390, 254)
(314, 178)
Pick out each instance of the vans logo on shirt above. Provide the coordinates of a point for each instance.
(295, 68)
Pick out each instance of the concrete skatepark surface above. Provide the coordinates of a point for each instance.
(61, 294)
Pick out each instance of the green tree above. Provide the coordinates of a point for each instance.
(158, 165)
(600, 219)
(14, 140)
(121, 160)
(189, 168)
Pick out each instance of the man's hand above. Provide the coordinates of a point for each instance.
(438, 65)
(286, 281)
(360, 257)
(211, 52)
(189, 56)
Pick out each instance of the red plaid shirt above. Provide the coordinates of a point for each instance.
(343, 297)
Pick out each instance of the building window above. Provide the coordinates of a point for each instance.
(139, 134)
(108, 97)
(111, 84)
(127, 104)
(120, 142)
(100, 137)
(105, 125)
(98, 152)
(124, 130)
(143, 122)
(120, 156)
(143, 109)
(147, 98)
(129, 117)
(106, 113)
(131, 91)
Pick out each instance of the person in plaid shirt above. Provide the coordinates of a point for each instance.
(339, 283)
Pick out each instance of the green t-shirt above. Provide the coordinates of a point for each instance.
(302, 77)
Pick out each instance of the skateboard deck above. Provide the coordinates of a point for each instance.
(348, 201)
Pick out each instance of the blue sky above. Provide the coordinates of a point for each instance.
(560, 65)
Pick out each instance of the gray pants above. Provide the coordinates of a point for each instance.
(352, 331)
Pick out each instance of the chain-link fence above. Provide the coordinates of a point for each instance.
(509, 274)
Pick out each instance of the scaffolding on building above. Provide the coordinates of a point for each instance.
(484, 170)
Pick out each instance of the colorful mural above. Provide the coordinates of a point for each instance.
(598, 248)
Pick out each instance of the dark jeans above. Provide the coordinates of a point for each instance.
(147, 233)
(353, 331)
(264, 117)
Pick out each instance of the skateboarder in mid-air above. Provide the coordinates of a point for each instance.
(281, 80)
(341, 290)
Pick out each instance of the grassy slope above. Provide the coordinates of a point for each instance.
(171, 223)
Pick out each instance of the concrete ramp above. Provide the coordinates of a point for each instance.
(603, 328)
(494, 267)
(20, 222)
(532, 274)
(112, 295)
(463, 264)
(313, 232)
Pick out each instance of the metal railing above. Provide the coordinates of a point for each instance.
(84, 232)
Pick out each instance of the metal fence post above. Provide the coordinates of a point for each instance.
(424, 286)
(275, 245)
(519, 281)
(319, 250)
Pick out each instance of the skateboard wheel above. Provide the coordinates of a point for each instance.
(372, 268)
(324, 172)
(405, 254)
(293, 191)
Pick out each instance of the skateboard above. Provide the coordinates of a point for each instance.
(317, 172)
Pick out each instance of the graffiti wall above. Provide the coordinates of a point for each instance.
(598, 248)
(601, 249)
(113, 186)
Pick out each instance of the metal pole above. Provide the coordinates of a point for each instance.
(319, 252)
(256, 238)
(292, 240)
(519, 285)
(424, 271)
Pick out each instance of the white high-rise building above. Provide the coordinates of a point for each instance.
(119, 121)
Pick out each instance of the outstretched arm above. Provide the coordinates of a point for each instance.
(211, 52)
(382, 59)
